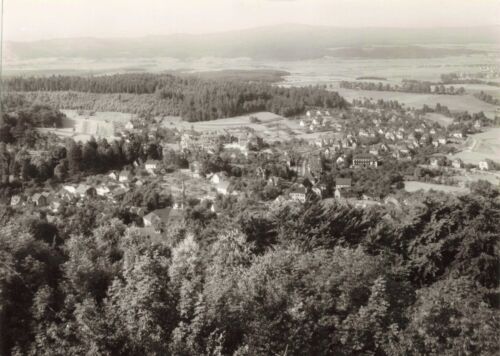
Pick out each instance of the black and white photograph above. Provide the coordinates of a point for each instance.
(250, 177)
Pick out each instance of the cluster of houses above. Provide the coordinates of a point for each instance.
(316, 120)
(437, 161)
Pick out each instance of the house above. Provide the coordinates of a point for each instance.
(223, 187)
(151, 219)
(69, 189)
(340, 160)
(113, 176)
(457, 163)
(16, 200)
(218, 177)
(125, 176)
(339, 193)
(102, 190)
(364, 161)
(55, 205)
(195, 168)
(162, 216)
(39, 199)
(84, 190)
(274, 181)
(129, 126)
(442, 140)
(485, 165)
(343, 183)
(317, 191)
(457, 134)
(151, 165)
(298, 193)
(437, 161)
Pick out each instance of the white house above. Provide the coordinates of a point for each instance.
(129, 125)
(223, 187)
(102, 190)
(125, 176)
(151, 166)
(457, 163)
(218, 178)
(484, 166)
(298, 194)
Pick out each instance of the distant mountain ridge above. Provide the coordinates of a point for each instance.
(283, 42)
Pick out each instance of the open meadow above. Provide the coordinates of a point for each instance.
(413, 186)
(453, 102)
(478, 147)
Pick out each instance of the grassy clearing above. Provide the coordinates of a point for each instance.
(416, 186)
(493, 178)
(442, 120)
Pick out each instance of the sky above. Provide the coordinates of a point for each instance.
(27, 20)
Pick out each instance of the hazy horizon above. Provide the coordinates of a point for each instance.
(243, 29)
(134, 19)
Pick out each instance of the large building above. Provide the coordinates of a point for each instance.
(364, 161)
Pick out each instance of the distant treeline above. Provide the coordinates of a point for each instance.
(371, 78)
(488, 98)
(470, 78)
(406, 86)
(193, 98)
(400, 52)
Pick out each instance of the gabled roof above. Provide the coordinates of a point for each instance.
(364, 156)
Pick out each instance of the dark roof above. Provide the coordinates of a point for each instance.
(298, 189)
(364, 156)
(343, 181)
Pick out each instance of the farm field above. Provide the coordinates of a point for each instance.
(485, 145)
(453, 102)
(413, 186)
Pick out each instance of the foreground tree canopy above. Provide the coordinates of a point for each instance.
(310, 279)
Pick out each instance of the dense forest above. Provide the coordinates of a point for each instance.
(190, 96)
(314, 279)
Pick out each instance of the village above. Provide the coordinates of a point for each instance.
(362, 157)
